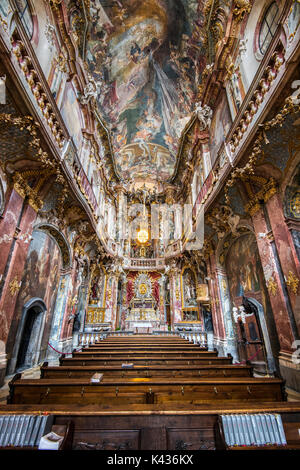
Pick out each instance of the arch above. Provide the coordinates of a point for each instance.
(25, 9)
(291, 188)
(61, 241)
(264, 329)
(262, 10)
(290, 173)
(243, 225)
(35, 306)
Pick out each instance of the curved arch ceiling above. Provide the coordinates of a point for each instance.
(147, 57)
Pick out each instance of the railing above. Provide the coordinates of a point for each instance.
(87, 338)
(196, 338)
(165, 333)
(120, 333)
(90, 337)
(147, 263)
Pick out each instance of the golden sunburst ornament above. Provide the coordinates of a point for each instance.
(143, 235)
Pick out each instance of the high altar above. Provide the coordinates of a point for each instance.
(143, 310)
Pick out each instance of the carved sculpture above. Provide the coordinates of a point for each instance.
(204, 114)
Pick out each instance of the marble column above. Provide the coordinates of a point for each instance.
(111, 299)
(226, 308)
(175, 296)
(9, 226)
(279, 297)
(286, 251)
(56, 338)
(11, 281)
(217, 316)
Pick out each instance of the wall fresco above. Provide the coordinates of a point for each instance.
(146, 58)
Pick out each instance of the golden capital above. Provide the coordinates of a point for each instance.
(292, 282)
(272, 286)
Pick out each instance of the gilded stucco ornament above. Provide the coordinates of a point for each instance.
(40, 94)
(295, 204)
(241, 8)
(242, 173)
(272, 286)
(54, 4)
(21, 187)
(292, 282)
(14, 286)
(269, 189)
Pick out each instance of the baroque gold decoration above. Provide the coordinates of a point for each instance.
(31, 75)
(241, 8)
(14, 286)
(272, 286)
(202, 292)
(24, 190)
(55, 4)
(95, 315)
(239, 173)
(295, 204)
(292, 282)
(79, 247)
(143, 288)
(268, 190)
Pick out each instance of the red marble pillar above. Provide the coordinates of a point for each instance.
(16, 268)
(286, 252)
(8, 225)
(14, 275)
(218, 321)
(276, 294)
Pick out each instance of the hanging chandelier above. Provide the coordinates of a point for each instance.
(143, 233)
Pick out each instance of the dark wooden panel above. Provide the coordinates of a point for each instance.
(107, 439)
(191, 439)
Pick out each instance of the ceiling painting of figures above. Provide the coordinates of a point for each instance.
(146, 57)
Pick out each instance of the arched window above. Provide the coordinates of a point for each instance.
(25, 16)
(268, 27)
(4, 7)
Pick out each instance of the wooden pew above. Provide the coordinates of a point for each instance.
(144, 390)
(147, 371)
(146, 354)
(143, 360)
(188, 347)
(170, 426)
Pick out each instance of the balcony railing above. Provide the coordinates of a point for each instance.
(141, 263)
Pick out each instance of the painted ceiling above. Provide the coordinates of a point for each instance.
(147, 57)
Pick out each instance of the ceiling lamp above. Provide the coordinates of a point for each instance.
(143, 233)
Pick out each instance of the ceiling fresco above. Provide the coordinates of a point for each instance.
(147, 57)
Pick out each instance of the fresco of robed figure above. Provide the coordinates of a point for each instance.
(147, 58)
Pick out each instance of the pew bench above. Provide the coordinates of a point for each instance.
(168, 426)
(146, 354)
(187, 348)
(88, 361)
(148, 371)
(144, 390)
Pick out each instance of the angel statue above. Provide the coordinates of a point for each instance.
(204, 114)
(90, 91)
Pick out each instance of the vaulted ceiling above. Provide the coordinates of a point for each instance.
(147, 57)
